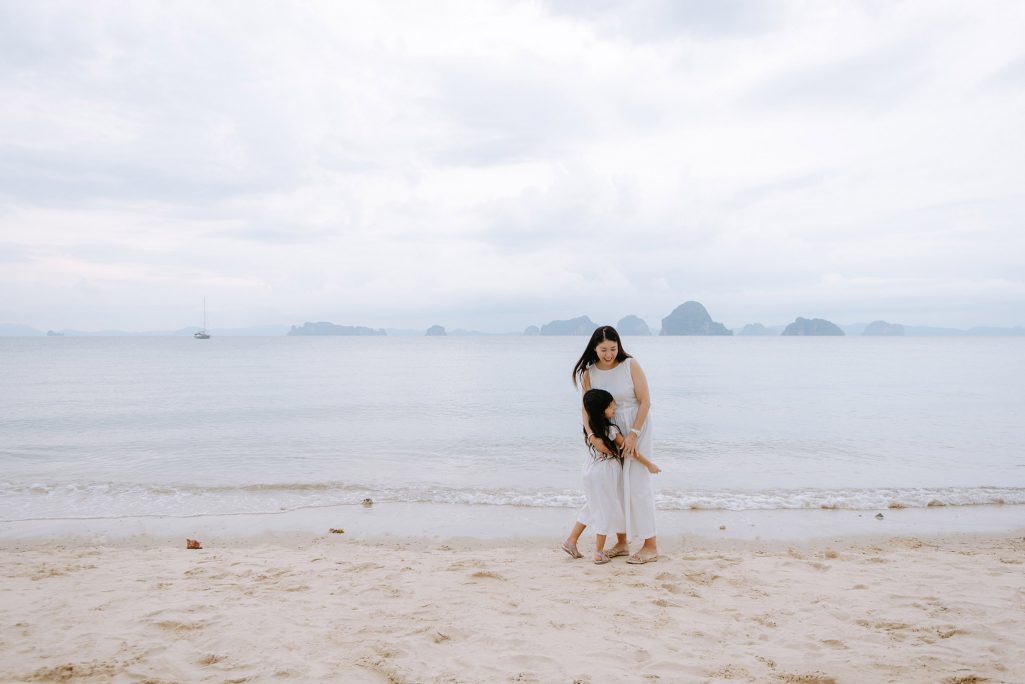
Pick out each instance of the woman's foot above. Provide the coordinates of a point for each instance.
(601, 558)
(642, 557)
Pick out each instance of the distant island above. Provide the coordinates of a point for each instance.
(325, 328)
(882, 328)
(692, 318)
(812, 326)
(581, 325)
(757, 329)
(632, 325)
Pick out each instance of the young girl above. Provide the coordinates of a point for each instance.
(603, 476)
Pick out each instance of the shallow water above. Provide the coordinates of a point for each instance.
(107, 427)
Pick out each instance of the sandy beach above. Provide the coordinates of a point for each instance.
(334, 608)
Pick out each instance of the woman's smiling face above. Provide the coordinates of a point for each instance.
(607, 352)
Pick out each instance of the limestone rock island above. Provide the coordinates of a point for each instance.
(813, 326)
(582, 325)
(691, 318)
(883, 328)
(632, 325)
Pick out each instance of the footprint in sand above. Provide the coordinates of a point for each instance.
(813, 678)
(702, 577)
(731, 672)
(487, 574)
(70, 671)
(179, 627)
(947, 633)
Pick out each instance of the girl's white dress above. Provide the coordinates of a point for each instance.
(638, 494)
(603, 485)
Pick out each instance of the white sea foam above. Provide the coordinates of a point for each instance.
(99, 500)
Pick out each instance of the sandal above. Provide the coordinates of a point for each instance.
(601, 558)
(571, 549)
(638, 559)
(613, 552)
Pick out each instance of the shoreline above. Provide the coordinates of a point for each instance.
(441, 521)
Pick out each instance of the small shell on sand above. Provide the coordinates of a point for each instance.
(192, 544)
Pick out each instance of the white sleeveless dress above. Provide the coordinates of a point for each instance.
(638, 494)
(603, 485)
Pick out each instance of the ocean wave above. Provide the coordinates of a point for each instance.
(28, 501)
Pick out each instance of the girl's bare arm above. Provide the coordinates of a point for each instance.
(639, 457)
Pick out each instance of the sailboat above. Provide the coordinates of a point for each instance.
(202, 334)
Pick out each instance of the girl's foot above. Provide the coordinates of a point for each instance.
(618, 550)
(571, 549)
(601, 558)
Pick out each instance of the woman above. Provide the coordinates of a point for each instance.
(605, 365)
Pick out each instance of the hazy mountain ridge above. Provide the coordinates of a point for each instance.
(275, 330)
(13, 330)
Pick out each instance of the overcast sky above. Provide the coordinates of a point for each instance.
(490, 165)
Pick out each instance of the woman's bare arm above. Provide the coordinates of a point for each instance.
(643, 396)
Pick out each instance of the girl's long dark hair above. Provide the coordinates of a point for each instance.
(605, 333)
(595, 403)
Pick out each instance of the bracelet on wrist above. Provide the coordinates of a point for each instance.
(635, 431)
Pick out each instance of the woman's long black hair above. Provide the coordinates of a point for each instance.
(605, 333)
(595, 403)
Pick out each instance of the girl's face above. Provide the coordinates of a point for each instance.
(607, 352)
(610, 411)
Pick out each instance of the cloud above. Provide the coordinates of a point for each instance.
(1011, 74)
(869, 82)
(491, 165)
(646, 20)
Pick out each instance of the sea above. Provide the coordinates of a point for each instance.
(101, 428)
